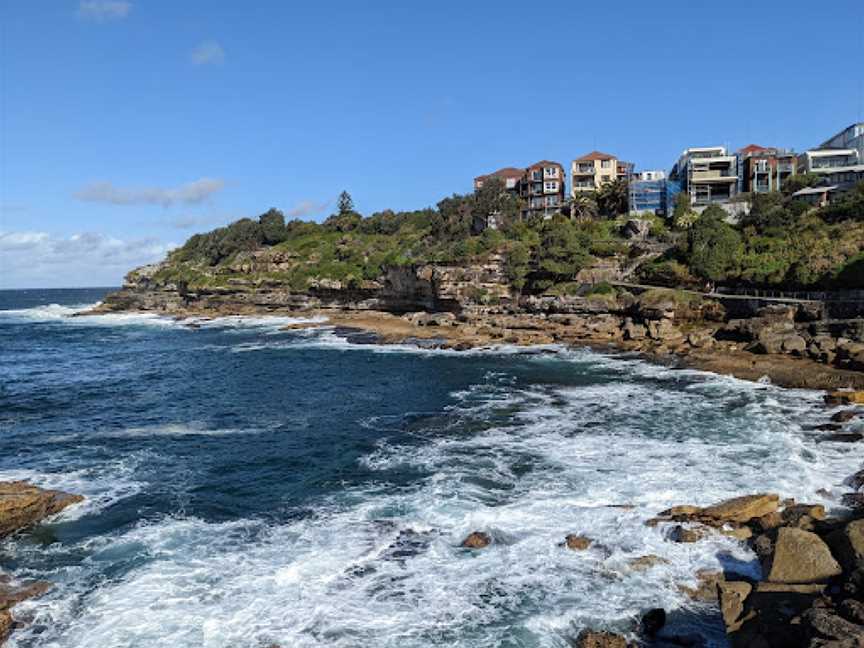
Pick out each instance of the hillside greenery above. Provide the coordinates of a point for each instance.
(781, 243)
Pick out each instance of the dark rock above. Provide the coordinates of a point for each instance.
(844, 415)
(853, 500)
(687, 534)
(827, 624)
(846, 437)
(653, 621)
(853, 611)
(847, 544)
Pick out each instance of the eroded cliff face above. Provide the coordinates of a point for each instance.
(251, 283)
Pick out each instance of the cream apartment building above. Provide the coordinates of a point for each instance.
(590, 171)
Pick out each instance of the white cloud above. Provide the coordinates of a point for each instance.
(39, 259)
(208, 52)
(189, 193)
(104, 10)
(308, 208)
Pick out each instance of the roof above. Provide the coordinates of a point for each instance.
(754, 148)
(545, 163)
(595, 155)
(506, 172)
(809, 191)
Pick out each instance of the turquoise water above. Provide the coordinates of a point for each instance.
(249, 486)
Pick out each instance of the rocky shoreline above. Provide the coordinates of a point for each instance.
(23, 505)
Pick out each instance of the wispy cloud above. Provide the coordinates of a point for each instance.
(189, 193)
(208, 53)
(104, 10)
(33, 258)
(308, 208)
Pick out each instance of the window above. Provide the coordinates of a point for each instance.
(536, 175)
(551, 186)
(605, 164)
(605, 178)
(551, 172)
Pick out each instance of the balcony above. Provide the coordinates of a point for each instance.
(713, 175)
(583, 169)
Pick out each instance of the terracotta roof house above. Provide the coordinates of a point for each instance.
(589, 172)
(763, 168)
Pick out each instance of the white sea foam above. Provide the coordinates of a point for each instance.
(101, 486)
(381, 566)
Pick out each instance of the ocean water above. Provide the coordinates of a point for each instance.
(249, 486)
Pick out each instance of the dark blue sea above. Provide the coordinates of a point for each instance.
(249, 486)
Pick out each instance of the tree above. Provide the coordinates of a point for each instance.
(714, 246)
(613, 198)
(273, 227)
(493, 199)
(683, 215)
(517, 264)
(583, 207)
(345, 204)
(454, 218)
(563, 249)
(767, 211)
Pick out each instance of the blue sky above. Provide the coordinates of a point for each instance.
(128, 125)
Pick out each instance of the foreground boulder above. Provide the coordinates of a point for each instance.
(22, 505)
(10, 595)
(801, 557)
(848, 544)
(741, 509)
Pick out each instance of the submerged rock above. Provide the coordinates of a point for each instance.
(592, 639)
(22, 505)
(577, 542)
(653, 621)
(477, 540)
(646, 562)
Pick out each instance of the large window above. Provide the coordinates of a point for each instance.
(606, 164)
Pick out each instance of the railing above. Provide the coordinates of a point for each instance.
(806, 295)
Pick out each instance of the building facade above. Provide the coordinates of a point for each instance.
(849, 138)
(762, 169)
(542, 189)
(590, 171)
(708, 175)
(510, 176)
(651, 192)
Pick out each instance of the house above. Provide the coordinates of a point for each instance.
(826, 161)
(851, 137)
(650, 192)
(839, 160)
(708, 175)
(542, 189)
(762, 169)
(510, 176)
(590, 171)
(816, 196)
(654, 174)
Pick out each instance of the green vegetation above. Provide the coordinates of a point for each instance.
(781, 243)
